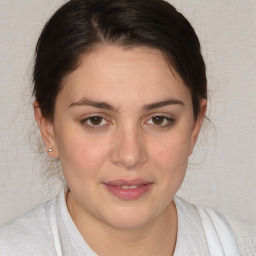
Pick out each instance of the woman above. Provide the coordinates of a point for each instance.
(120, 96)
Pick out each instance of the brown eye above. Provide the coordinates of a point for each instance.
(95, 120)
(158, 120)
(161, 121)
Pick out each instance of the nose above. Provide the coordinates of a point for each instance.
(129, 149)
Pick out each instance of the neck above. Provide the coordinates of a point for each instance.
(156, 238)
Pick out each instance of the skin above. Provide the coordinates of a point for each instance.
(129, 142)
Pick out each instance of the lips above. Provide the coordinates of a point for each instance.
(128, 189)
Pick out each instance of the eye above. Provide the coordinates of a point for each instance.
(161, 121)
(94, 121)
(158, 120)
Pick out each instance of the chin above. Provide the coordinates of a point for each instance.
(128, 223)
(128, 218)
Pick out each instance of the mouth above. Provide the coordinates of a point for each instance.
(128, 189)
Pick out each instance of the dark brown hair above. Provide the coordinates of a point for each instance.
(80, 25)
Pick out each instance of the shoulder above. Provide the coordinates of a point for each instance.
(245, 233)
(223, 232)
(29, 234)
(233, 234)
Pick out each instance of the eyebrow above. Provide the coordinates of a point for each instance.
(106, 106)
(92, 103)
(162, 104)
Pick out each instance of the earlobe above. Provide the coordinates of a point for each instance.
(46, 130)
(198, 124)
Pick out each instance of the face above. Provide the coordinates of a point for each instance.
(123, 130)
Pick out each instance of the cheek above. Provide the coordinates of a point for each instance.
(80, 153)
(173, 151)
(171, 158)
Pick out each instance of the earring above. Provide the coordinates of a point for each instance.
(49, 149)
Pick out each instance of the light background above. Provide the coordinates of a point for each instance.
(221, 173)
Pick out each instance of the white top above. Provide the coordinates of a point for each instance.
(49, 229)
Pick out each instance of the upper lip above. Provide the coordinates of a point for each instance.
(121, 182)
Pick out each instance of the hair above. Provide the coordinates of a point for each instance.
(80, 26)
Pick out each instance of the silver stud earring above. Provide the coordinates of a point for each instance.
(49, 149)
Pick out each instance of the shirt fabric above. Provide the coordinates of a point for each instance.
(49, 229)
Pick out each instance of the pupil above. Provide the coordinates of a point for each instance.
(158, 120)
(96, 120)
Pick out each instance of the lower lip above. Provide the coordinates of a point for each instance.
(128, 194)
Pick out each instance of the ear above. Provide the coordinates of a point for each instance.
(198, 124)
(47, 132)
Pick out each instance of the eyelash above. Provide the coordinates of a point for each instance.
(92, 126)
(167, 120)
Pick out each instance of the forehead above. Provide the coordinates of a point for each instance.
(119, 75)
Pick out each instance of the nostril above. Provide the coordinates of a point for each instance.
(128, 149)
(129, 157)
